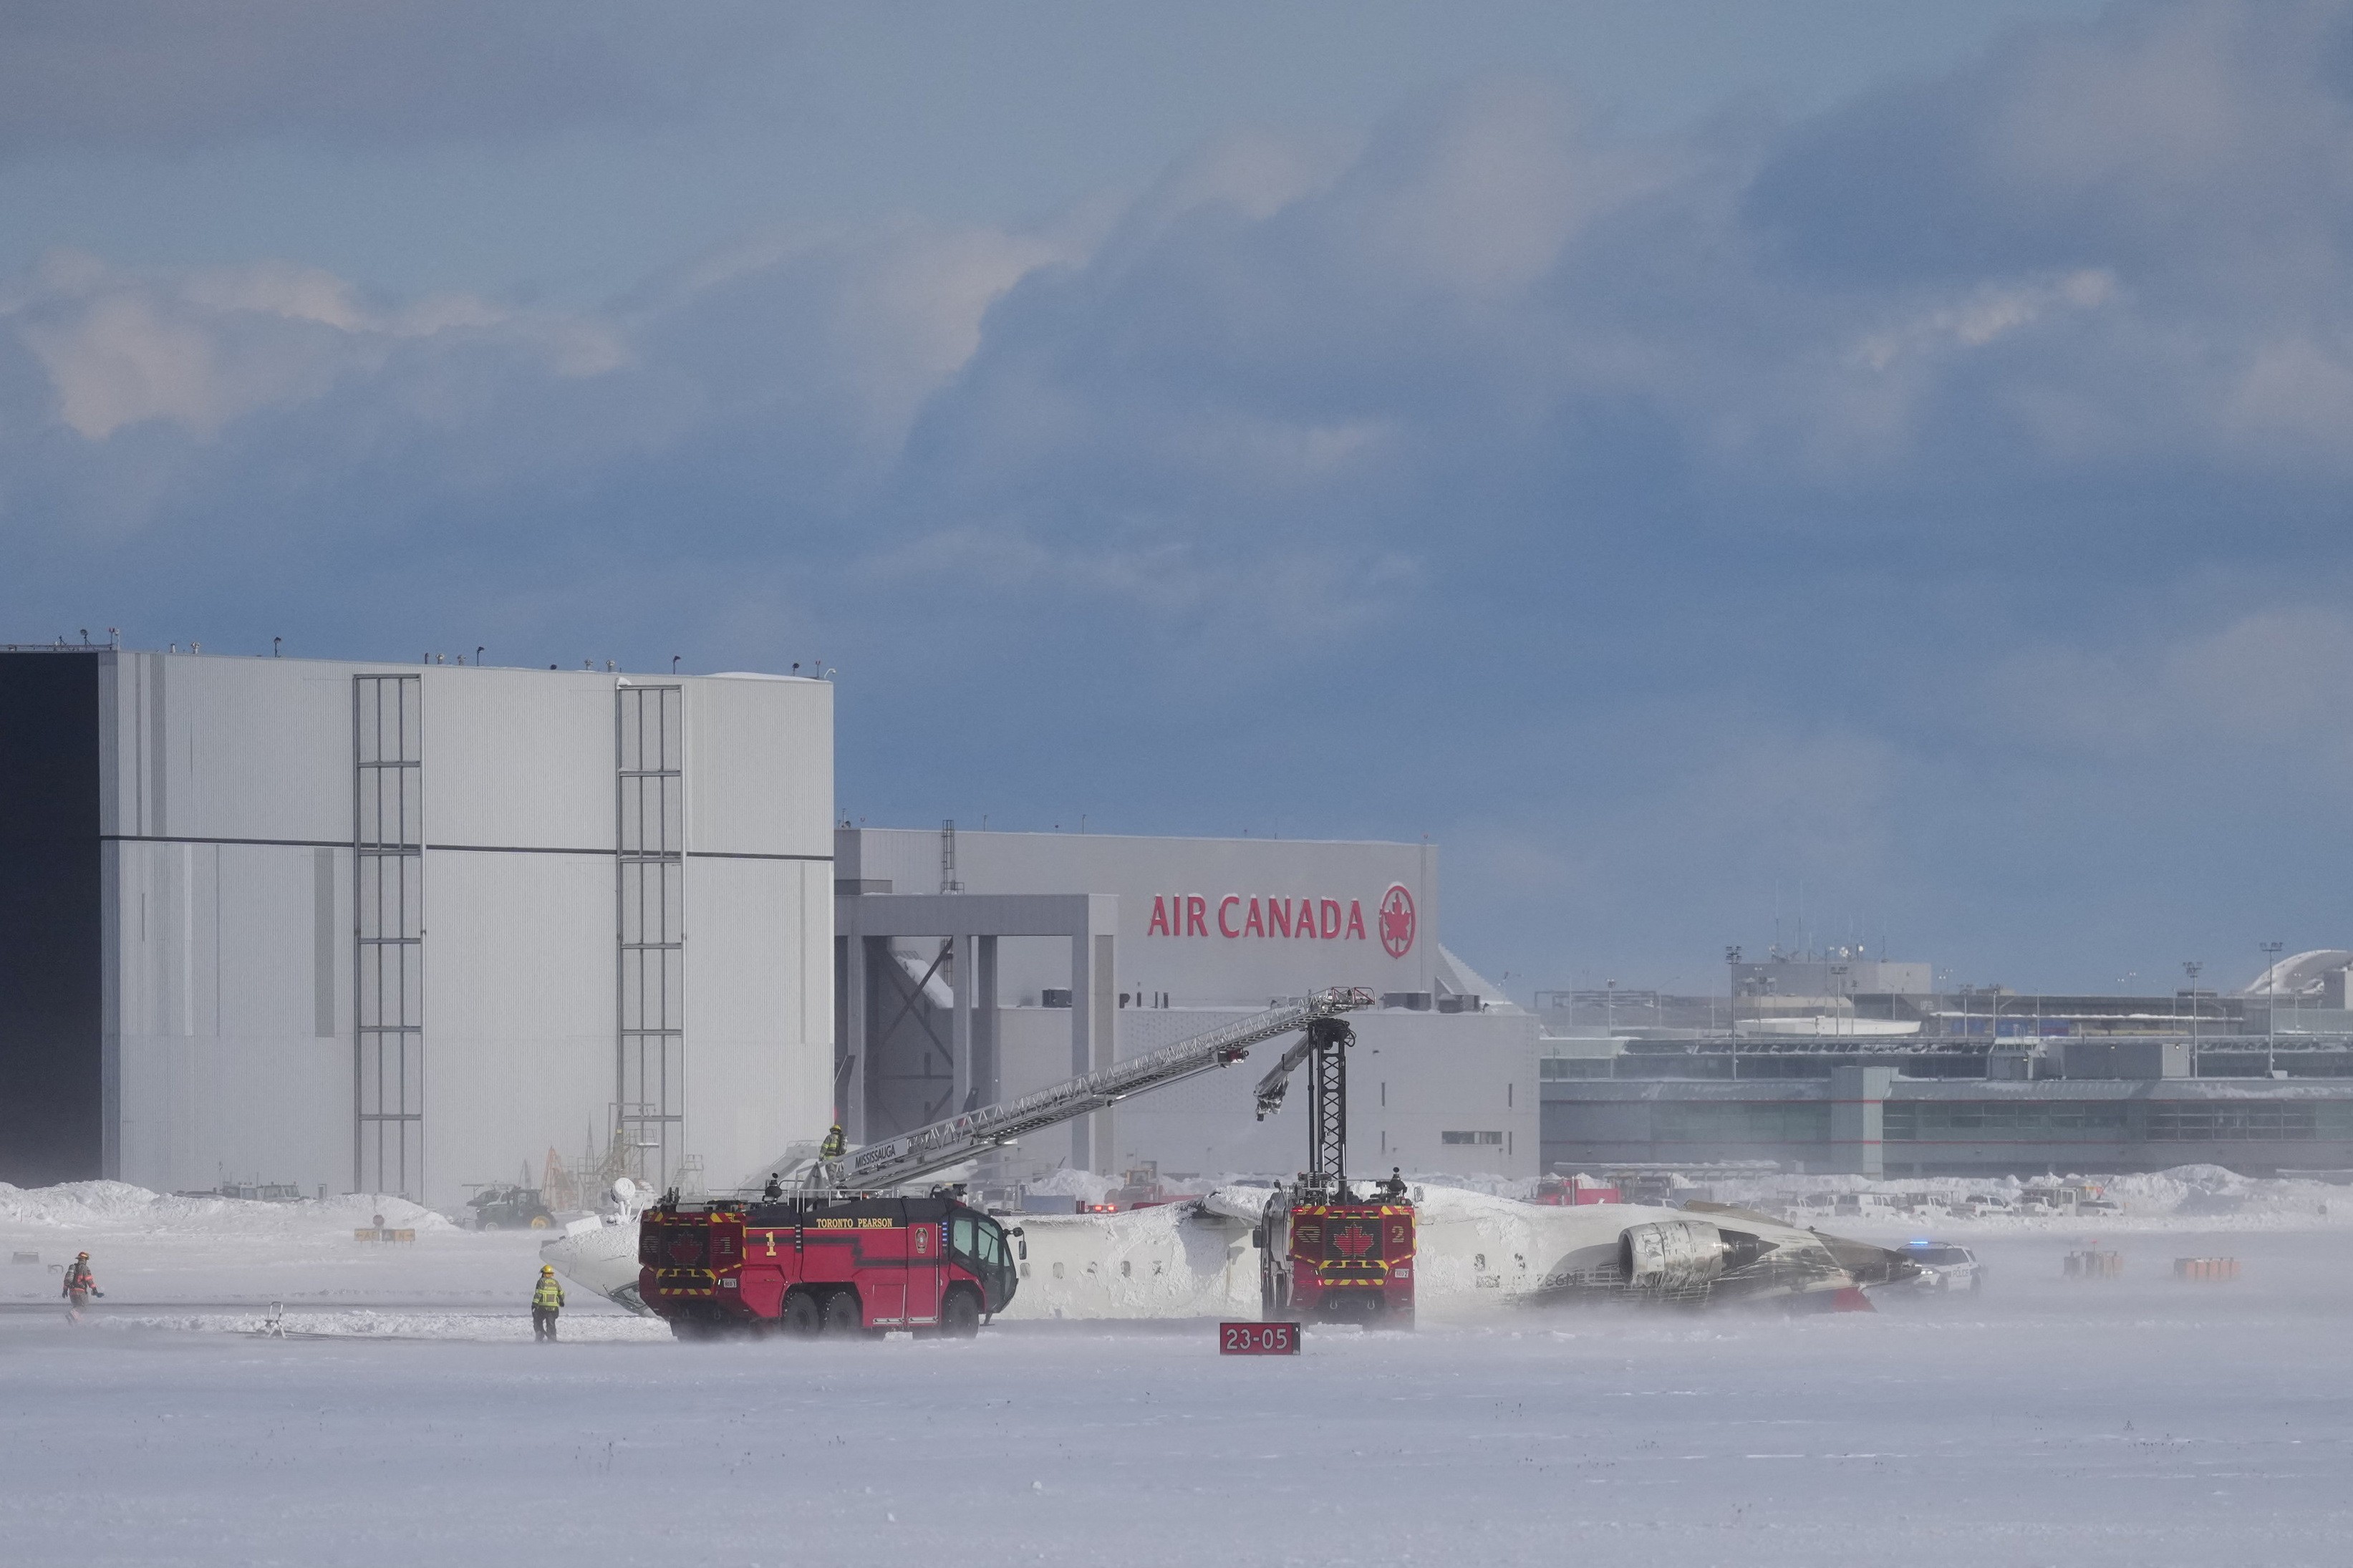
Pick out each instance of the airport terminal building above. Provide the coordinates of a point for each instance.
(405, 929)
(1843, 1063)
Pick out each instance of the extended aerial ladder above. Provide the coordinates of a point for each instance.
(1325, 1049)
(894, 1161)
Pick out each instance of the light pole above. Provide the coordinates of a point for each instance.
(2271, 1004)
(2190, 967)
(1732, 1010)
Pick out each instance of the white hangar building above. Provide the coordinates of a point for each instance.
(975, 967)
(400, 929)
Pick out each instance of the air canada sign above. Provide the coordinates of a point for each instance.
(1241, 916)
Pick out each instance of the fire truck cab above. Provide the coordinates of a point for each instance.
(824, 1264)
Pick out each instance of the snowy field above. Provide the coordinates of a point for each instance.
(2139, 1420)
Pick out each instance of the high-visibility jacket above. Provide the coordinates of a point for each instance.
(548, 1296)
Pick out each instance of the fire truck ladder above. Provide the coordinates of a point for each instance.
(896, 1161)
(1325, 1052)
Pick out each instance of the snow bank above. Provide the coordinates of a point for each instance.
(1176, 1260)
(1065, 1182)
(118, 1209)
(2181, 1197)
(454, 1327)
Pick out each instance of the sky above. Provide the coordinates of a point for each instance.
(1727, 474)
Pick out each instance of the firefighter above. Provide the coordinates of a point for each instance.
(80, 1286)
(835, 1144)
(546, 1300)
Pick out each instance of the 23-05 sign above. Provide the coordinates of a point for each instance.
(1258, 1339)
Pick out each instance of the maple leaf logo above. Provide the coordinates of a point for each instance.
(1352, 1241)
(1396, 920)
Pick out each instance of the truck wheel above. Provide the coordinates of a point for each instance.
(841, 1313)
(960, 1315)
(541, 1221)
(804, 1315)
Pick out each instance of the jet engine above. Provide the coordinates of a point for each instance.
(1671, 1255)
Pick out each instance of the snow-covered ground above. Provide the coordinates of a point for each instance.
(2141, 1420)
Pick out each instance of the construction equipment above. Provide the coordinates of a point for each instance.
(510, 1206)
(844, 1255)
(1326, 1249)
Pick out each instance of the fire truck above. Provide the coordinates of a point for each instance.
(1331, 1250)
(824, 1263)
(846, 1253)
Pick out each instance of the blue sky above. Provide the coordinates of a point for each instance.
(1702, 464)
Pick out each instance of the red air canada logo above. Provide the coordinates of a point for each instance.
(1396, 920)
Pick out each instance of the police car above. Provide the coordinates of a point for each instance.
(1945, 1267)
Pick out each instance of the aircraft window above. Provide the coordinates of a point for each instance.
(960, 1235)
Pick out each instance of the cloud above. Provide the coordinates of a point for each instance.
(1866, 500)
(152, 74)
(203, 349)
(2273, 682)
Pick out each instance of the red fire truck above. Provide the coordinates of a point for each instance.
(1328, 1250)
(824, 1264)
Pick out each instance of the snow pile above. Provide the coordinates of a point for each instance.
(2183, 1196)
(1175, 1260)
(1066, 1183)
(511, 1326)
(118, 1209)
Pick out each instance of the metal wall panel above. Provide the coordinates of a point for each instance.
(762, 1034)
(220, 1070)
(247, 749)
(754, 791)
(521, 952)
(521, 759)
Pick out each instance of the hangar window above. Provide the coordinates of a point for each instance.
(1496, 1138)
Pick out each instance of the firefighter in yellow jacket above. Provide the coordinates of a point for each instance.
(546, 1300)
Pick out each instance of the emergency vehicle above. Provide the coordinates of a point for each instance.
(824, 1264)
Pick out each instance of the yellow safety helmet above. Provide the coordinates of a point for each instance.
(547, 1268)
(81, 1257)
